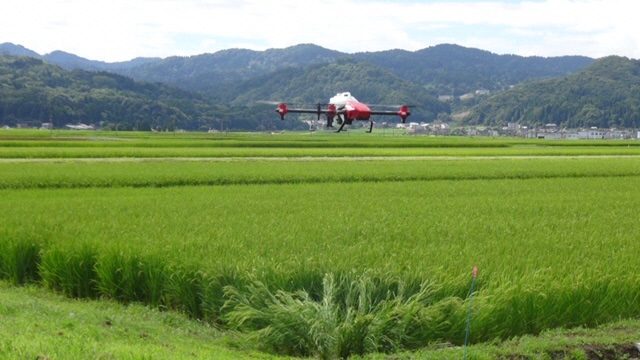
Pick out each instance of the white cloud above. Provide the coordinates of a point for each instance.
(123, 29)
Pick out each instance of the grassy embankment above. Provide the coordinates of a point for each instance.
(39, 324)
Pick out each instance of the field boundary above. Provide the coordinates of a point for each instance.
(308, 158)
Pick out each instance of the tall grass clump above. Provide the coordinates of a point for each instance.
(71, 272)
(19, 261)
(127, 277)
(349, 319)
(185, 292)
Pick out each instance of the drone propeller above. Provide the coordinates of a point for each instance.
(269, 102)
(392, 105)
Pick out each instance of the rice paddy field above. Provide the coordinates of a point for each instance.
(330, 245)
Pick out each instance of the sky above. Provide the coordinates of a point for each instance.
(120, 30)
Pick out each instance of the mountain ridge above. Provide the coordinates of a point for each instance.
(445, 69)
(527, 90)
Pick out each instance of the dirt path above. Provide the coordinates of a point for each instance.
(310, 158)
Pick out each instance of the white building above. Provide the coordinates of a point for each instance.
(591, 134)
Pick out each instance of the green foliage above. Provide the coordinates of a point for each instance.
(605, 94)
(129, 278)
(19, 260)
(72, 273)
(350, 318)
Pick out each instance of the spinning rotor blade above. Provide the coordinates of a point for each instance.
(269, 102)
(392, 105)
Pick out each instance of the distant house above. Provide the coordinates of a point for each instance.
(549, 135)
(80, 127)
(46, 126)
(591, 134)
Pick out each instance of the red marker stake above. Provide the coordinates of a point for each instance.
(466, 337)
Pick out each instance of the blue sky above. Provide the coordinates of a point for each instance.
(118, 30)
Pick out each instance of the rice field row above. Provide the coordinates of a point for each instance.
(239, 152)
(66, 145)
(163, 173)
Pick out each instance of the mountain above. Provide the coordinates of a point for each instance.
(212, 72)
(442, 70)
(18, 50)
(570, 91)
(33, 91)
(605, 94)
(448, 69)
(70, 61)
(316, 83)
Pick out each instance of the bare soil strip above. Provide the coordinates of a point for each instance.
(307, 158)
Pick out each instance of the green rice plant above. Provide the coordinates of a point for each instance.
(71, 272)
(185, 292)
(212, 293)
(242, 145)
(532, 308)
(128, 277)
(153, 281)
(19, 261)
(161, 173)
(283, 321)
(356, 323)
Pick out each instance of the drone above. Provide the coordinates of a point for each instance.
(346, 108)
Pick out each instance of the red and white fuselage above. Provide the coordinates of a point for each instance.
(353, 109)
(346, 108)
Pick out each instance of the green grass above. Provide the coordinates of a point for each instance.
(40, 325)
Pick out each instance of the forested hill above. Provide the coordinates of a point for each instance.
(369, 83)
(223, 87)
(450, 69)
(605, 94)
(211, 73)
(33, 91)
(442, 70)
